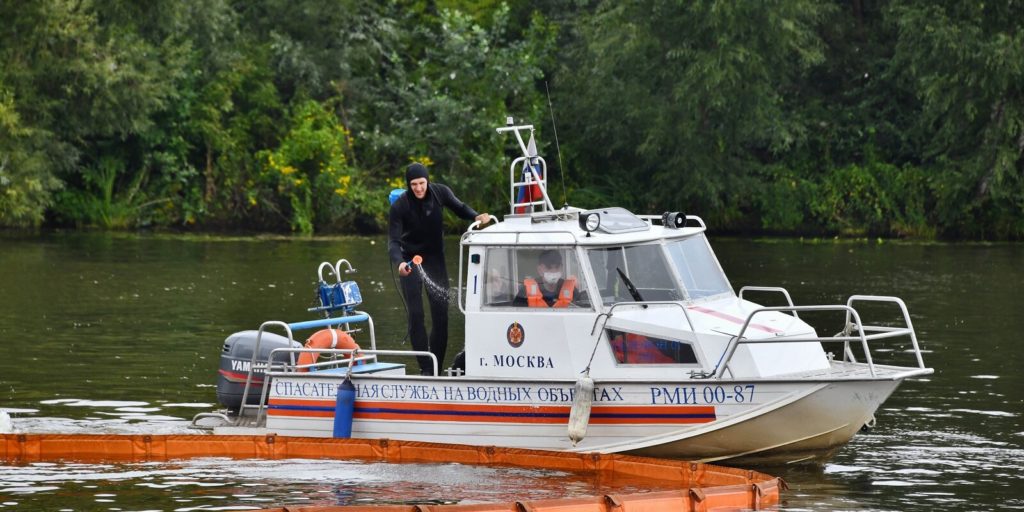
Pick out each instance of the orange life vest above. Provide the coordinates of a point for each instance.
(535, 299)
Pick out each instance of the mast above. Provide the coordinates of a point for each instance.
(528, 191)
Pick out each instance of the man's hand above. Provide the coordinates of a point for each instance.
(484, 218)
(404, 269)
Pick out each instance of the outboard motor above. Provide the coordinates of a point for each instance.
(235, 359)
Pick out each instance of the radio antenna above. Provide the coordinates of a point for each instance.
(561, 168)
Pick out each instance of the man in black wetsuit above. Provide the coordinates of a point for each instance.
(415, 228)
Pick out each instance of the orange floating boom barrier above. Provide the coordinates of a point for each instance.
(701, 487)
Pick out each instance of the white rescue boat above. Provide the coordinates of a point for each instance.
(638, 344)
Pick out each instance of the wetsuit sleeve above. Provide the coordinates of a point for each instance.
(453, 203)
(395, 232)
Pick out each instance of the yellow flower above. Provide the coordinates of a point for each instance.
(425, 160)
(343, 189)
(286, 170)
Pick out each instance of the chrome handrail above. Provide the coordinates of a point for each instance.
(686, 314)
(252, 368)
(530, 159)
(735, 342)
(533, 179)
(335, 269)
(783, 291)
(657, 303)
(359, 316)
(906, 318)
(355, 354)
(880, 332)
(653, 218)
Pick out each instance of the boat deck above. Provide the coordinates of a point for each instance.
(844, 370)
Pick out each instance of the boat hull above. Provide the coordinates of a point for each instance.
(811, 427)
(784, 420)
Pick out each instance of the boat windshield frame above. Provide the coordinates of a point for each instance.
(710, 268)
(661, 260)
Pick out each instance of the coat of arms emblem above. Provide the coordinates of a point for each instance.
(515, 335)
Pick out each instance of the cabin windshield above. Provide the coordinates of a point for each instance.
(644, 266)
(697, 267)
(677, 270)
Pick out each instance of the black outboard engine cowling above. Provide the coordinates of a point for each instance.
(235, 359)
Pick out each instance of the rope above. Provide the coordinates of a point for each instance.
(586, 371)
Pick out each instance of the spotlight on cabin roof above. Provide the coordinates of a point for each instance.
(612, 220)
(590, 221)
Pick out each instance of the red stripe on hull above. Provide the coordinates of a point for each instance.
(454, 412)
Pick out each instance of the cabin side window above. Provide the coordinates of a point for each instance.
(536, 277)
(499, 277)
(632, 348)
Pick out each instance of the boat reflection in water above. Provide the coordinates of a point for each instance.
(590, 331)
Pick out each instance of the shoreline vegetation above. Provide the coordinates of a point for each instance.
(875, 121)
(267, 236)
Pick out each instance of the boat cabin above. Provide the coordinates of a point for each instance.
(663, 283)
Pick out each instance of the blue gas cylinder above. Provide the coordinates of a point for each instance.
(344, 407)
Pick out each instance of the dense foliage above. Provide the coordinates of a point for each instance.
(891, 118)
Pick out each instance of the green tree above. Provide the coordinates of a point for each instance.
(27, 181)
(88, 86)
(457, 81)
(310, 167)
(683, 103)
(965, 63)
(48, 51)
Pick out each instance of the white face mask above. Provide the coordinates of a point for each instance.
(552, 277)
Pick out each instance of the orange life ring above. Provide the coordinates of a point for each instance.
(325, 339)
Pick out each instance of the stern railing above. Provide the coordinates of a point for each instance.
(350, 357)
(271, 368)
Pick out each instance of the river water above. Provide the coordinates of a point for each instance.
(121, 333)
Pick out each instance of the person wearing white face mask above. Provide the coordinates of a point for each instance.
(554, 290)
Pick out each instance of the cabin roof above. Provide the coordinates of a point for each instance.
(561, 227)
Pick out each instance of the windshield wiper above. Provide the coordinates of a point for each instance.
(633, 292)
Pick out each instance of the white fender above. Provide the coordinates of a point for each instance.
(579, 415)
(6, 425)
